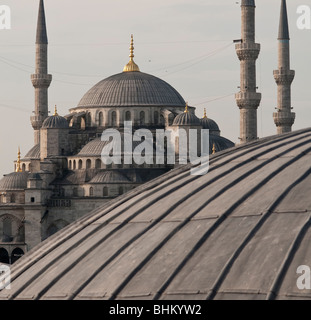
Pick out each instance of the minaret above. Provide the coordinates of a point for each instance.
(41, 80)
(284, 118)
(248, 99)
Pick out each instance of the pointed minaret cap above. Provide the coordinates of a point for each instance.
(249, 3)
(131, 66)
(41, 26)
(283, 27)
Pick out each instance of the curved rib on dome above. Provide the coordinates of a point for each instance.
(130, 89)
(55, 122)
(14, 181)
(238, 232)
(186, 119)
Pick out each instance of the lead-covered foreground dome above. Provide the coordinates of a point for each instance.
(238, 232)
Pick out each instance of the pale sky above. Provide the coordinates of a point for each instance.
(187, 43)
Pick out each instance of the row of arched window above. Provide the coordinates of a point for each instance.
(90, 192)
(78, 164)
(128, 116)
(16, 254)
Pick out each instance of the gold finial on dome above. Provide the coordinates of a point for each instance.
(214, 148)
(55, 112)
(131, 66)
(18, 164)
(186, 109)
(205, 115)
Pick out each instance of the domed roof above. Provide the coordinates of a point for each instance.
(219, 142)
(55, 122)
(14, 181)
(210, 124)
(186, 119)
(33, 153)
(238, 232)
(130, 89)
(112, 176)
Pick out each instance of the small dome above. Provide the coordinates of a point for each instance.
(14, 181)
(219, 142)
(186, 119)
(210, 124)
(55, 122)
(113, 176)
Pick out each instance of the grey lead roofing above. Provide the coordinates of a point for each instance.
(41, 37)
(283, 26)
(129, 89)
(238, 232)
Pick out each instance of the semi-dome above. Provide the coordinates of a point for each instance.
(112, 176)
(186, 119)
(238, 232)
(14, 181)
(129, 89)
(95, 147)
(33, 153)
(55, 122)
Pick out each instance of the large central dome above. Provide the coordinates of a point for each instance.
(129, 89)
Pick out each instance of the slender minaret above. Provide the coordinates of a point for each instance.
(248, 99)
(41, 80)
(284, 118)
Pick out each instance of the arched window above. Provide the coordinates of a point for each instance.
(113, 119)
(162, 120)
(80, 164)
(13, 198)
(70, 164)
(24, 167)
(156, 117)
(88, 164)
(17, 253)
(100, 119)
(88, 120)
(98, 164)
(74, 164)
(7, 230)
(4, 256)
(128, 116)
(105, 192)
(82, 126)
(142, 118)
(91, 192)
(120, 190)
(75, 192)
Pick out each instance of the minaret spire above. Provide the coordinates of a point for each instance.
(248, 99)
(41, 80)
(284, 118)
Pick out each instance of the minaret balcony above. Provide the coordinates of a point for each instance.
(248, 100)
(284, 76)
(247, 50)
(284, 118)
(41, 80)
